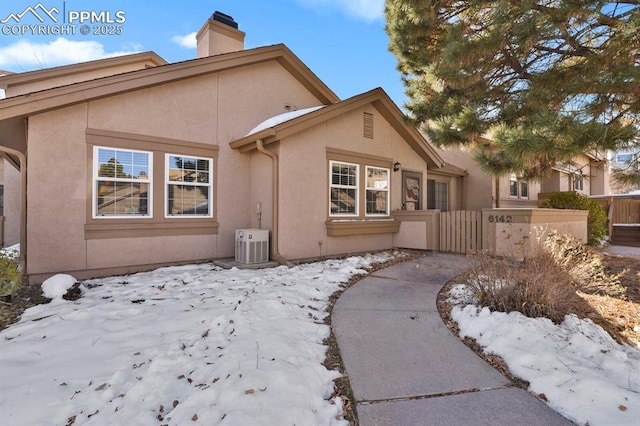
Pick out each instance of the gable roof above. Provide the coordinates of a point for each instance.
(376, 97)
(45, 100)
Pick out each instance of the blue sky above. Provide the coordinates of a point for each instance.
(342, 41)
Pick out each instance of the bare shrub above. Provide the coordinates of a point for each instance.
(535, 286)
(583, 264)
(542, 282)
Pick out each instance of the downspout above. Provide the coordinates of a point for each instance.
(275, 178)
(23, 208)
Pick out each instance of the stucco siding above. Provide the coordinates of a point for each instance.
(304, 183)
(261, 191)
(303, 194)
(479, 191)
(57, 192)
(149, 250)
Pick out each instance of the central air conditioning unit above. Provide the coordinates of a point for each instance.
(252, 245)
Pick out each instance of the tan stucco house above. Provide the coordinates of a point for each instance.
(127, 163)
(588, 175)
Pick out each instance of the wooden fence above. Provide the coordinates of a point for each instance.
(626, 210)
(461, 231)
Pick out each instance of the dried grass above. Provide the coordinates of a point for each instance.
(584, 264)
(543, 282)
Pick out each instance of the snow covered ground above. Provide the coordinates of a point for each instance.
(583, 373)
(176, 346)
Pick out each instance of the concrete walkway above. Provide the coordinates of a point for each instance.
(407, 368)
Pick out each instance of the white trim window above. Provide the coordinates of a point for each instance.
(578, 182)
(343, 188)
(518, 188)
(624, 158)
(189, 186)
(122, 183)
(377, 191)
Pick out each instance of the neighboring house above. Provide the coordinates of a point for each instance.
(128, 163)
(588, 175)
(625, 160)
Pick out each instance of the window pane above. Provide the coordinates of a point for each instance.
(431, 194)
(437, 195)
(122, 198)
(442, 196)
(192, 197)
(140, 166)
(118, 190)
(344, 174)
(377, 178)
(188, 169)
(106, 163)
(123, 164)
(343, 201)
(524, 189)
(188, 200)
(202, 165)
(377, 202)
(202, 177)
(513, 188)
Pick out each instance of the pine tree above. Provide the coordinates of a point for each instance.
(526, 84)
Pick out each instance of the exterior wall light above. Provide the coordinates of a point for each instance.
(396, 166)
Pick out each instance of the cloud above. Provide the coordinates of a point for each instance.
(188, 41)
(369, 10)
(24, 55)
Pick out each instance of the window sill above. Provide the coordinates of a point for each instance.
(339, 228)
(146, 229)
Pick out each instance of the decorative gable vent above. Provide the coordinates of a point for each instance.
(368, 125)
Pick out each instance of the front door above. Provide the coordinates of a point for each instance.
(411, 190)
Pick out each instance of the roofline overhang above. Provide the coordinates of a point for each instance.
(49, 99)
(449, 170)
(376, 97)
(16, 79)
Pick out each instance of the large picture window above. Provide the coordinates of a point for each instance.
(344, 188)
(122, 183)
(188, 185)
(377, 191)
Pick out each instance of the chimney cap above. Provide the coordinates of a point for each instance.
(224, 19)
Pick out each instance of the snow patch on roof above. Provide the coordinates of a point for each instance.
(281, 118)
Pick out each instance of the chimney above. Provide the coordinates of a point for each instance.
(218, 35)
